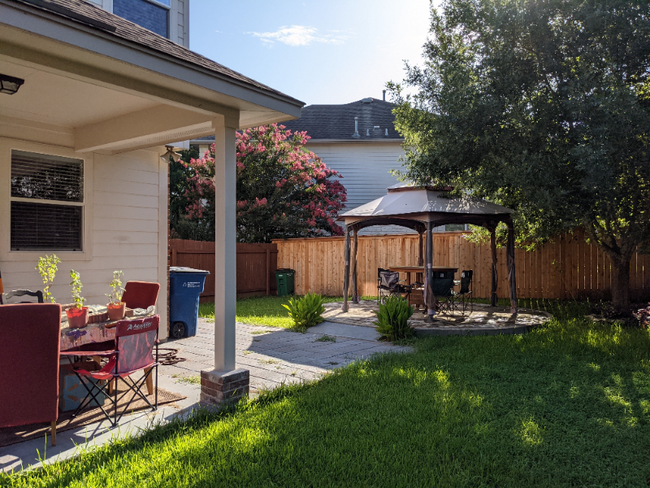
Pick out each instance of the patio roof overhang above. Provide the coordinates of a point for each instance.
(97, 91)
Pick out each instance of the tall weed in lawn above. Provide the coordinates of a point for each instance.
(392, 319)
(306, 311)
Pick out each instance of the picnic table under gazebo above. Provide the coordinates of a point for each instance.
(421, 208)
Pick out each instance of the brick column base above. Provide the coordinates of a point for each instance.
(218, 387)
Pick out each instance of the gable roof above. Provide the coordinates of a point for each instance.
(337, 121)
(110, 24)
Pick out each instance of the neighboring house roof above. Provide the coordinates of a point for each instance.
(336, 122)
(101, 20)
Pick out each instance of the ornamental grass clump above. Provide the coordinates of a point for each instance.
(392, 319)
(306, 311)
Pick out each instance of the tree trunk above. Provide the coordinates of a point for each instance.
(620, 282)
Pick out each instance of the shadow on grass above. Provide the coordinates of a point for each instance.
(566, 405)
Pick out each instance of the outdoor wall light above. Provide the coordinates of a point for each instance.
(9, 84)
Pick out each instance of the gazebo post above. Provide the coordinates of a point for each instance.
(346, 279)
(355, 289)
(511, 267)
(494, 299)
(420, 260)
(429, 267)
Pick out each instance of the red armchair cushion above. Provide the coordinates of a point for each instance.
(140, 294)
(30, 336)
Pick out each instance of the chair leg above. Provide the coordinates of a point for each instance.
(53, 432)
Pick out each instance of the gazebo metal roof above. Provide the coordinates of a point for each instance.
(423, 204)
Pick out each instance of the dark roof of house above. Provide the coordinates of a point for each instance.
(101, 20)
(337, 121)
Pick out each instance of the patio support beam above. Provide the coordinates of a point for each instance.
(494, 299)
(420, 250)
(355, 288)
(346, 278)
(225, 383)
(511, 267)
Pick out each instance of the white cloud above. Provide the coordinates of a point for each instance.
(298, 35)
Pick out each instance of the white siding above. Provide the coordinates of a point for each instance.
(126, 199)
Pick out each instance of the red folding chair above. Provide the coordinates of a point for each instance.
(135, 341)
(140, 294)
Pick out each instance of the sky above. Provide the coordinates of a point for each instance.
(318, 51)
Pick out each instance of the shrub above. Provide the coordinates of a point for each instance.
(643, 316)
(392, 319)
(306, 311)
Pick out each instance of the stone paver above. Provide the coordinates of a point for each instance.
(275, 356)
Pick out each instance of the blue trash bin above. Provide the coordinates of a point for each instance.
(185, 288)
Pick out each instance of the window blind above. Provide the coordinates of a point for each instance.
(41, 226)
(46, 177)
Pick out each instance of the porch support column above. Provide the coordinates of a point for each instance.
(355, 288)
(428, 299)
(420, 257)
(494, 299)
(346, 278)
(511, 267)
(225, 383)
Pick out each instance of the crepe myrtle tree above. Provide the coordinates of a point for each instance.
(544, 107)
(283, 190)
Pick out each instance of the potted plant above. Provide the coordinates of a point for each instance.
(47, 268)
(116, 307)
(77, 315)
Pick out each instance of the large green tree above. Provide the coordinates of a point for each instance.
(542, 106)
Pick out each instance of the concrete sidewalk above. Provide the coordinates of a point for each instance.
(273, 356)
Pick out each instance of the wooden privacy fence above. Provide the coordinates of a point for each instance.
(256, 265)
(567, 268)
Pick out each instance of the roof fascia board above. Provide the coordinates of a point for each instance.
(143, 60)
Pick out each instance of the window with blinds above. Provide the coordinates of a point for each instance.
(46, 202)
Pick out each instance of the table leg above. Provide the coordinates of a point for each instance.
(149, 380)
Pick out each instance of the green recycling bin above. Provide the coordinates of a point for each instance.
(284, 279)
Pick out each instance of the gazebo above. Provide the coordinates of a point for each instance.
(422, 208)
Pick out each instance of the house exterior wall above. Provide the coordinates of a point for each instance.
(178, 20)
(125, 223)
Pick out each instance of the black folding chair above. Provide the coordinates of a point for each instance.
(462, 297)
(16, 296)
(389, 285)
(442, 289)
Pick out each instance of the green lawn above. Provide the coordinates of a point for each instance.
(565, 405)
(261, 311)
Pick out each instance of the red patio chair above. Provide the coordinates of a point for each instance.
(140, 294)
(135, 341)
(30, 335)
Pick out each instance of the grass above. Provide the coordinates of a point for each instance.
(565, 405)
(261, 311)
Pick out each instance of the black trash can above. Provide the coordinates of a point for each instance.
(284, 279)
(185, 288)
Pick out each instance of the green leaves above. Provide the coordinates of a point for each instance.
(306, 311)
(392, 319)
(47, 268)
(76, 286)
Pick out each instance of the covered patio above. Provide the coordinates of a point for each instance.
(421, 208)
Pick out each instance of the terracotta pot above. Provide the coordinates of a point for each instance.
(116, 311)
(77, 317)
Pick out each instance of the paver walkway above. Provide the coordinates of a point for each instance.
(274, 356)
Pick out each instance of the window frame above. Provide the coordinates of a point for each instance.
(6, 253)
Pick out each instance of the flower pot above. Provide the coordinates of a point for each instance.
(116, 311)
(77, 317)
